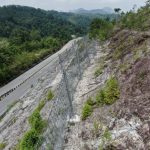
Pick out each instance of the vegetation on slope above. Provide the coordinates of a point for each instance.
(137, 20)
(106, 96)
(27, 35)
(33, 138)
(101, 29)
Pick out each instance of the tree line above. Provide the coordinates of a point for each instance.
(27, 35)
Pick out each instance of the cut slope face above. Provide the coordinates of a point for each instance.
(125, 123)
(135, 98)
(131, 58)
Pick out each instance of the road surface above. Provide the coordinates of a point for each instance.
(27, 79)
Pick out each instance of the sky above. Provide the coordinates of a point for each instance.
(67, 5)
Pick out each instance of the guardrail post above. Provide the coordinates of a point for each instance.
(66, 85)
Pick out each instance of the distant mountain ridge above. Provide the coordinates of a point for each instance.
(105, 10)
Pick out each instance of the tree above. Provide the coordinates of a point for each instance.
(148, 2)
(101, 29)
(117, 10)
(134, 8)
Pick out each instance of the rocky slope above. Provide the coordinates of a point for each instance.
(125, 123)
(121, 124)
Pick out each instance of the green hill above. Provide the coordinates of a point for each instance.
(28, 34)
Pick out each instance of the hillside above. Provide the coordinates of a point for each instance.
(96, 13)
(95, 94)
(103, 11)
(27, 35)
(113, 98)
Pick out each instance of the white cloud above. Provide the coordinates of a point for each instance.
(74, 4)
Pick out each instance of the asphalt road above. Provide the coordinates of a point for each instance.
(30, 78)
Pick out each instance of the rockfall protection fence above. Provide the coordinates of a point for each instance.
(72, 63)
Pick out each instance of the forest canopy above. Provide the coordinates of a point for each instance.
(27, 35)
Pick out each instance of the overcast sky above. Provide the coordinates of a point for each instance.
(66, 5)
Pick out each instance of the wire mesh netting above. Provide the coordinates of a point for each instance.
(72, 63)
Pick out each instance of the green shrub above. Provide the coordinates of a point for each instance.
(36, 121)
(111, 91)
(101, 29)
(90, 102)
(87, 111)
(32, 138)
(41, 105)
(50, 95)
(29, 140)
(100, 97)
(2, 146)
(109, 94)
(132, 20)
(107, 135)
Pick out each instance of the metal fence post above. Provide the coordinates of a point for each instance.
(85, 47)
(67, 86)
(78, 62)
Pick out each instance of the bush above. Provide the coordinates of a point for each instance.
(29, 140)
(50, 95)
(90, 102)
(87, 111)
(132, 20)
(41, 105)
(36, 121)
(107, 135)
(100, 97)
(106, 138)
(101, 29)
(109, 94)
(32, 138)
(111, 91)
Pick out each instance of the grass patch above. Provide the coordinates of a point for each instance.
(88, 108)
(109, 94)
(100, 97)
(36, 121)
(117, 53)
(2, 146)
(106, 137)
(30, 140)
(97, 126)
(90, 102)
(100, 70)
(87, 111)
(33, 138)
(50, 95)
(106, 96)
(111, 91)
(41, 105)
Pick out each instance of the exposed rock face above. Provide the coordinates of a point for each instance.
(128, 120)
(133, 106)
(135, 100)
(15, 124)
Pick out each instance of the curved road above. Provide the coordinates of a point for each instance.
(29, 78)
